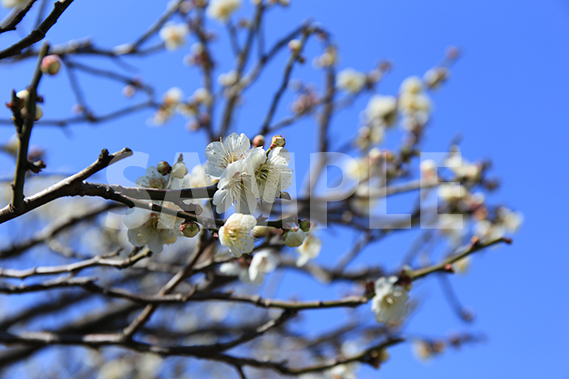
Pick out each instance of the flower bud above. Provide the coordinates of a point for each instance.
(190, 229)
(261, 231)
(39, 113)
(407, 271)
(294, 237)
(22, 95)
(304, 225)
(294, 45)
(179, 170)
(128, 90)
(50, 65)
(259, 141)
(163, 167)
(278, 141)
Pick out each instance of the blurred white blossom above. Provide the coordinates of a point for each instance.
(390, 300)
(351, 80)
(174, 35)
(221, 10)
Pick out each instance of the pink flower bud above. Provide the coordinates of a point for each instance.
(259, 141)
(50, 65)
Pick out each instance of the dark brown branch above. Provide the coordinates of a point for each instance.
(39, 33)
(24, 132)
(66, 187)
(19, 16)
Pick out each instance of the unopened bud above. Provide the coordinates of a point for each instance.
(259, 141)
(129, 90)
(39, 112)
(294, 237)
(406, 271)
(163, 167)
(22, 95)
(294, 45)
(278, 141)
(179, 170)
(304, 225)
(50, 65)
(262, 231)
(190, 229)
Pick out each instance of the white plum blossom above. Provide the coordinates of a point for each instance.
(310, 249)
(221, 10)
(412, 85)
(173, 96)
(236, 187)
(153, 179)
(390, 300)
(428, 169)
(174, 35)
(507, 221)
(451, 191)
(235, 234)
(382, 110)
(152, 229)
(228, 79)
(202, 96)
(370, 135)
(413, 103)
(271, 172)
(351, 80)
(262, 263)
(170, 102)
(245, 174)
(294, 237)
(461, 167)
(221, 154)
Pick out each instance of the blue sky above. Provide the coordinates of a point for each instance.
(507, 97)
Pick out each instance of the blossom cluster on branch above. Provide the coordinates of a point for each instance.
(189, 262)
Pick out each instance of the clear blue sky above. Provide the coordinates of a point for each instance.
(507, 96)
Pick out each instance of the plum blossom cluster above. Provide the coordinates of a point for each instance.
(246, 175)
(156, 229)
(173, 103)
